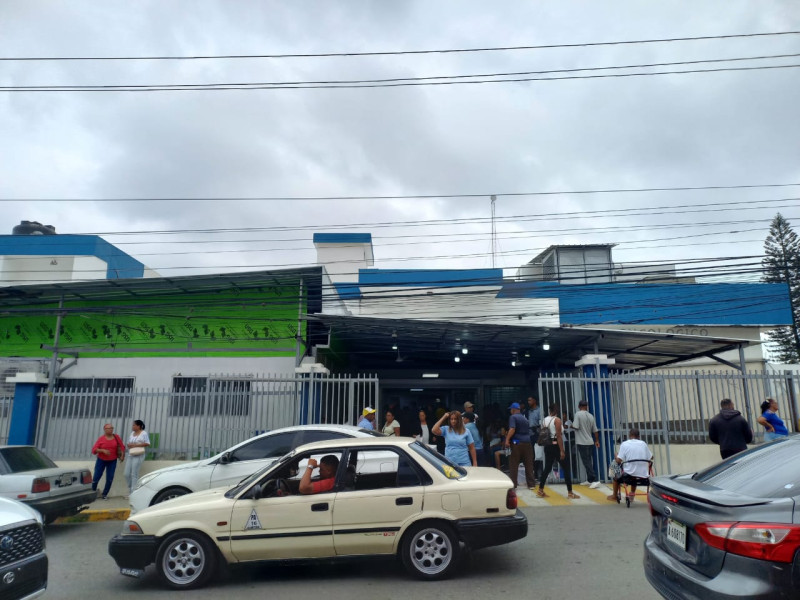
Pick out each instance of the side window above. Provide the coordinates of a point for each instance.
(310, 436)
(379, 469)
(271, 446)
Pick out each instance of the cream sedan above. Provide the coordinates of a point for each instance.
(384, 496)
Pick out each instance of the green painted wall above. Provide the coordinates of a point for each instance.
(264, 321)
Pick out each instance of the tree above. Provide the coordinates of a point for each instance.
(782, 265)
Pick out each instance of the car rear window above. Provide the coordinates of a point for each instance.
(371, 432)
(766, 471)
(25, 459)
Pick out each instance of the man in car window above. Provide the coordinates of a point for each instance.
(327, 475)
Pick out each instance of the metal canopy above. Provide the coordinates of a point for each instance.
(368, 343)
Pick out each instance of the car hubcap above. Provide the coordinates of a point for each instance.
(183, 561)
(431, 551)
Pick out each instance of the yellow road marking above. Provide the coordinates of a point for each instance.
(554, 498)
(595, 495)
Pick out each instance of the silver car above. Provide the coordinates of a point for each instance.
(23, 562)
(730, 531)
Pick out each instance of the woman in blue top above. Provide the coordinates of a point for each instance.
(771, 421)
(459, 446)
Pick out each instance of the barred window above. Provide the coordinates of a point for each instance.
(224, 396)
(80, 398)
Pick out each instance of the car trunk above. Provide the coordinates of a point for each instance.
(679, 504)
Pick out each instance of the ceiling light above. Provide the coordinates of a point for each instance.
(430, 375)
(394, 346)
(545, 346)
(417, 389)
(513, 363)
(457, 359)
(465, 351)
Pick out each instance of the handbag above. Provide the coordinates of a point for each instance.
(137, 451)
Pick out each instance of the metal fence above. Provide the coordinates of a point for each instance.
(668, 408)
(198, 421)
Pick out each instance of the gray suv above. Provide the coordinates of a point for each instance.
(23, 562)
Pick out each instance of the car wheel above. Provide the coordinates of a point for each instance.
(169, 494)
(430, 550)
(186, 560)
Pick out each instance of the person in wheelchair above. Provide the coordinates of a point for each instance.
(634, 459)
(328, 466)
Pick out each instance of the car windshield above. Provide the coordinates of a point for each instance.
(766, 471)
(25, 458)
(442, 464)
(257, 475)
(371, 432)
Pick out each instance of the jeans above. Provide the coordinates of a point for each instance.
(480, 457)
(587, 458)
(771, 435)
(110, 467)
(552, 455)
(132, 468)
(521, 452)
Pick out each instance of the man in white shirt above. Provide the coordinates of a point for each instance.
(633, 456)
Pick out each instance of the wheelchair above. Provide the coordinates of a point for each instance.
(626, 480)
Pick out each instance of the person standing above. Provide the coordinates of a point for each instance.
(729, 429)
(775, 428)
(108, 449)
(469, 424)
(390, 426)
(518, 439)
(138, 440)
(535, 421)
(585, 427)
(469, 407)
(367, 419)
(459, 446)
(422, 431)
(554, 453)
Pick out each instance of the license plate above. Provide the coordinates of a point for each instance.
(676, 533)
(131, 572)
(66, 479)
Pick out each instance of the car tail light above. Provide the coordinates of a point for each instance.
(40, 484)
(511, 499)
(766, 541)
(86, 477)
(669, 498)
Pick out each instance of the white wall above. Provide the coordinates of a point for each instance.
(342, 261)
(15, 270)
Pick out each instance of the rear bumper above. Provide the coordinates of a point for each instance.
(133, 552)
(24, 580)
(482, 533)
(740, 578)
(63, 505)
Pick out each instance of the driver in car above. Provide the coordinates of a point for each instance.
(327, 475)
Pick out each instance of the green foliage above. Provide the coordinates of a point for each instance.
(782, 265)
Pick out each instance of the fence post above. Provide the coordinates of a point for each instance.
(700, 407)
(665, 420)
(792, 401)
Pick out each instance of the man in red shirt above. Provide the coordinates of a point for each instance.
(327, 475)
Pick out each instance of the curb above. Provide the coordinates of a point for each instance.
(86, 516)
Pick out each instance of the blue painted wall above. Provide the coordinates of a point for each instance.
(120, 264)
(429, 277)
(342, 238)
(668, 304)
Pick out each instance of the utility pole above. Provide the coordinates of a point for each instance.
(494, 233)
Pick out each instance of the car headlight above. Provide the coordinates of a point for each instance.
(131, 528)
(146, 479)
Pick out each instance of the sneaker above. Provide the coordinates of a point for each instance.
(594, 485)
(584, 483)
(104, 497)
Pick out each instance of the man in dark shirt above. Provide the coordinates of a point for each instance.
(730, 430)
(519, 439)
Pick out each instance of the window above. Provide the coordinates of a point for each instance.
(81, 398)
(380, 469)
(321, 435)
(443, 465)
(270, 446)
(225, 396)
(24, 458)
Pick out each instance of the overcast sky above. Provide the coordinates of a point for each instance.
(707, 129)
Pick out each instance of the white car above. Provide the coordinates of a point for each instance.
(23, 562)
(231, 466)
(377, 497)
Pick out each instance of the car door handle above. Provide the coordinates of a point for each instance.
(319, 507)
(404, 501)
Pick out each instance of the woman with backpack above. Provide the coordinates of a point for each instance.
(108, 449)
(552, 440)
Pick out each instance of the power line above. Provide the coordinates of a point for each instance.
(399, 52)
(403, 197)
(259, 86)
(341, 82)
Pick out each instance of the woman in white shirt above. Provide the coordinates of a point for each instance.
(138, 440)
(391, 426)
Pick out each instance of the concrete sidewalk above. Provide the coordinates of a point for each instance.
(116, 508)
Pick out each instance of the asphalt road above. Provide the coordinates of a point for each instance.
(581, 552)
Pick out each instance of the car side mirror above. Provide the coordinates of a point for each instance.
(225, 458)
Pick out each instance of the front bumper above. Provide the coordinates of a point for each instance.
(64, 505)
(24, 580)
(132, 552)
(482, 533)
(740, 578)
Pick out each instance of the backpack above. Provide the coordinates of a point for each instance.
(545, 437)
